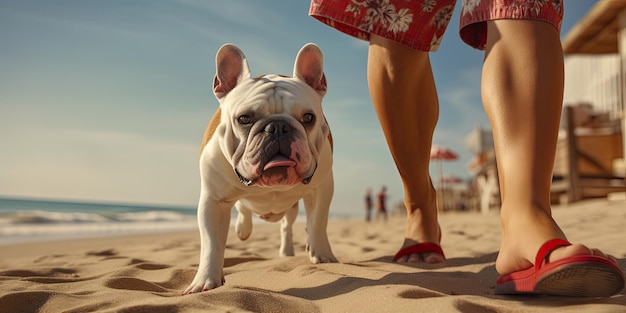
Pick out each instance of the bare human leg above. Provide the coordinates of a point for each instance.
(403, 92)
(522, 90)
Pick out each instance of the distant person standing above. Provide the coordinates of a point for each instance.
(382, 206)
(368, 204)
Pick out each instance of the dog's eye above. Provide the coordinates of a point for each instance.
(307, 118)
(244, 119)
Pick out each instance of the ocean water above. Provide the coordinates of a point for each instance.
(28, 220)
(31, 220)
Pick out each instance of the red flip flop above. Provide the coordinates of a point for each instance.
(423, 247)
(579, 276)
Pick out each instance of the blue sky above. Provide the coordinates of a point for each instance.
(108, 100)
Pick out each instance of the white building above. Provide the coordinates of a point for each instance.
(594, 79)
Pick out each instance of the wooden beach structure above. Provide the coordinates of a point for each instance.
(591, 148)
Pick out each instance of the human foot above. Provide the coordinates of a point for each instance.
(585, 275)
(422, 238)
(531, 262)
(426, 252)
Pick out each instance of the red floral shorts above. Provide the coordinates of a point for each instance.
(421, 24)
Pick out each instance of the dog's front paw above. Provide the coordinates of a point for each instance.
(323, 259)
(321, 256)
(203, 283)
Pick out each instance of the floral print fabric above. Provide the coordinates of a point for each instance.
(420, 24)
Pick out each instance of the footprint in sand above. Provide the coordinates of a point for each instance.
(107, 252)
(257, 300)
(147, 265)
(46, 275)
(25, 301)
(131, 283)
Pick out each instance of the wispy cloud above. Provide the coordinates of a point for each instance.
(463, 95)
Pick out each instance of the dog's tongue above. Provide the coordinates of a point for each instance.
(278, 161)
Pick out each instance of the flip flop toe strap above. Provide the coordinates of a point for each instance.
(547, 248)
(424, 247)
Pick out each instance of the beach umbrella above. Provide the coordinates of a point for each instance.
(440, 154)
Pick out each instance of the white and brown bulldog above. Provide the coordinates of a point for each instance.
(267, 146)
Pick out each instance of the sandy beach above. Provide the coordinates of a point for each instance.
(147, 273)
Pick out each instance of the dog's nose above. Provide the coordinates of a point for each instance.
(277, 127)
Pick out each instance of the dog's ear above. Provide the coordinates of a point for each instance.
(230, 68)
(309, 67)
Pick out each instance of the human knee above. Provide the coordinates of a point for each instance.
(397, 58)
